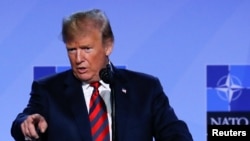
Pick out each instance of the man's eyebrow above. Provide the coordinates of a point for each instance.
(83, 46)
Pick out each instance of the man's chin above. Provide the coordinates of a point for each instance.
(82, 78)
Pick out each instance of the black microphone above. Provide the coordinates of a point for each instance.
(107, 75)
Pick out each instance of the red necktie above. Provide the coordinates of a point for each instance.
(98, 116)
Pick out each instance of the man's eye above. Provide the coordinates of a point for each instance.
(71, 49)
(86, 49)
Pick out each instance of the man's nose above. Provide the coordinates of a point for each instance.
(79, 56)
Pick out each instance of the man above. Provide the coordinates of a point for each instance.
(135, 106)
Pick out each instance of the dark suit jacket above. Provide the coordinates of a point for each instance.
(142, 112)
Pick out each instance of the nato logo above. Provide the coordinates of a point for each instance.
(228, 88)
(42, 71)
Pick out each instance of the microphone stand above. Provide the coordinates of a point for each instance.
(113, 112)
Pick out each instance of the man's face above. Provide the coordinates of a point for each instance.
(88, 55)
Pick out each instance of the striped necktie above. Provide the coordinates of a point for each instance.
(98, 116)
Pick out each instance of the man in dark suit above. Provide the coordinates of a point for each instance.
(136, 106)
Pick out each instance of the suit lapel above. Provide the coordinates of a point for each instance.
(76, 101)
(122, 106)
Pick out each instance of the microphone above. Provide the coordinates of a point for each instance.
(107, 75)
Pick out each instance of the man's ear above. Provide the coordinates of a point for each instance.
(109, 44)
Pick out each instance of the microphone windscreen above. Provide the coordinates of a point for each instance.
(106, 75)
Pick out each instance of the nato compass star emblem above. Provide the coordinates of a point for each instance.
(229, 88)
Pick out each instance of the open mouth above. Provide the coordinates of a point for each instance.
(81, 69)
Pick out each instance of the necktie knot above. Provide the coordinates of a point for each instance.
(96, 84)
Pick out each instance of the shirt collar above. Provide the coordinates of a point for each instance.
(103, 84)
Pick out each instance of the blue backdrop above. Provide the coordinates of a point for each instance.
(173, 40)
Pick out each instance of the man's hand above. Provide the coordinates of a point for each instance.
(33, 123)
